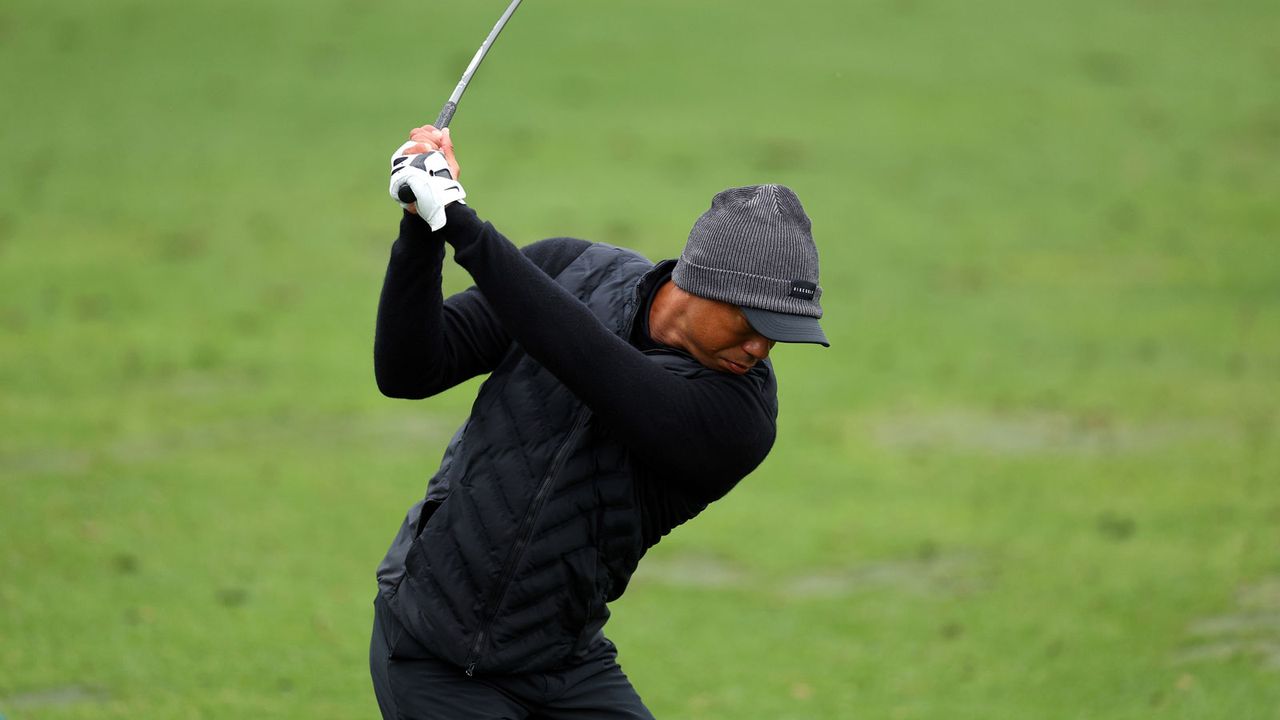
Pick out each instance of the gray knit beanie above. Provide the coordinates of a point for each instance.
(754, 248)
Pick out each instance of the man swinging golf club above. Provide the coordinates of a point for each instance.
(622, 398)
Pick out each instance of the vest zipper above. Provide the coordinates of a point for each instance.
(523, 536)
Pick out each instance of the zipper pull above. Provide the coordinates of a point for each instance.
(471, 669)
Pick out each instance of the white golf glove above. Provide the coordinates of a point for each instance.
(427, 175)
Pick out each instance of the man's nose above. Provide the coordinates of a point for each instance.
(758, 347)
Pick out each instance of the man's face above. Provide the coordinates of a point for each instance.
(720, 337)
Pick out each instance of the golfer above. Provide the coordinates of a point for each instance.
(622, 398)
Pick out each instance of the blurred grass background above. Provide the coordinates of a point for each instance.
(1034, 477)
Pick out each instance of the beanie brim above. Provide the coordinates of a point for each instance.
(783, 327)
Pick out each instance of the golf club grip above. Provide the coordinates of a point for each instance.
(446, 114)
(406, 195)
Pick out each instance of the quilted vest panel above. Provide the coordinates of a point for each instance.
(530, 525)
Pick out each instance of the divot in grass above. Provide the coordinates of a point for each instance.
(1035, 432)
(163, 442)
(55, 697)
(697, 570)
(937, 575)
(929, 574)
(1252, 631)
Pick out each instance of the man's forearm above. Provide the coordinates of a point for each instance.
(407, 345)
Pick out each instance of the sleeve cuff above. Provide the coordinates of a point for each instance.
(462, 227)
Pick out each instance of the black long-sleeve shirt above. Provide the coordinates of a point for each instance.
(699, 436)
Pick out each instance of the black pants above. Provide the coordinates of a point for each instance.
(412, 685)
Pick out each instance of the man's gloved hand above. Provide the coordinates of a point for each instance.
(426, 165)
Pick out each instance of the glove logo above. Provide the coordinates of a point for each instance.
(424, 180)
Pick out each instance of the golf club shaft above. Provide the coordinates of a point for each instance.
(451, 105)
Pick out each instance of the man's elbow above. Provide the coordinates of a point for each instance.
(393, 386)
(399, 393)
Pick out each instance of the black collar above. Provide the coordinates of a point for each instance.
(646, 291)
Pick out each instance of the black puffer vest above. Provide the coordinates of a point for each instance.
(531, 524)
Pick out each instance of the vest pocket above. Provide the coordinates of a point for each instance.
(400, 644)
(428, 509)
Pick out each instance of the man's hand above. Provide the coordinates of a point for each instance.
(426, 164)
(430, 138)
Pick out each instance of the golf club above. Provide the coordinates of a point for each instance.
(451, 106)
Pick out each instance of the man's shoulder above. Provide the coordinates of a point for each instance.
(553, 255)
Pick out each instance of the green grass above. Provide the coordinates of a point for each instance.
(1036, 476)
